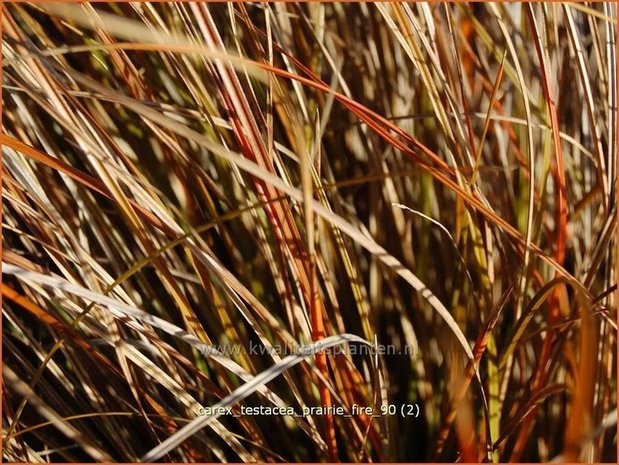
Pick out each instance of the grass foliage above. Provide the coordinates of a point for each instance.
(186, 182)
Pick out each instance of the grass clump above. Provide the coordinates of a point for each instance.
(397, 220)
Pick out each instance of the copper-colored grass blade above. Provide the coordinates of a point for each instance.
(82, 178)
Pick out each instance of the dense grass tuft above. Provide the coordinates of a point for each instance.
(192, 192)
